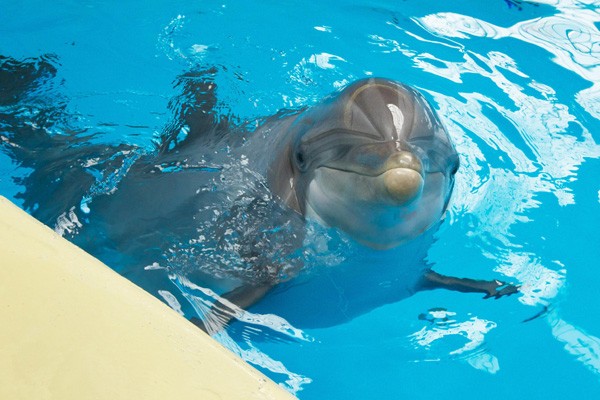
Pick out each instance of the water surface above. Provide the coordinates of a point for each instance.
(96, 85)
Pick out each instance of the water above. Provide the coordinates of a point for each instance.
(516, 83)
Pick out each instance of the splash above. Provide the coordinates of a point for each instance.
(203, 300)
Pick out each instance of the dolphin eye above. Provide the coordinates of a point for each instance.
(455, 166)
(300, 159)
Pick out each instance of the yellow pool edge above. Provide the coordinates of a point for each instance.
(72, 328)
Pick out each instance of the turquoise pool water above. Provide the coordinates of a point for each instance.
(88, 88)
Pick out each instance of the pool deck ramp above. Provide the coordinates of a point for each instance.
(72, 328)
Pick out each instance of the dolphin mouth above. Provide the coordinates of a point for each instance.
(399, 160)
(367, 172)
(395, 186)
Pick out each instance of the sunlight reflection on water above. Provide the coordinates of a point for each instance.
(501, 200)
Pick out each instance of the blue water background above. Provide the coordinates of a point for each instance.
(517, 85)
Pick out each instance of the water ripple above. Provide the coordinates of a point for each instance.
(571, 36)
(444, 325)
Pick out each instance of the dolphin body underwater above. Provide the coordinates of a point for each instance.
(372, 160)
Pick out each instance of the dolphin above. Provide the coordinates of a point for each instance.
(374, 161)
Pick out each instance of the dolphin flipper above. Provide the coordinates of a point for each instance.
(496, 289)
(230, 306)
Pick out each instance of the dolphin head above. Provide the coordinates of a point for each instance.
(373, 160)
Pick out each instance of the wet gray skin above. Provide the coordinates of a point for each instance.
(373, 160)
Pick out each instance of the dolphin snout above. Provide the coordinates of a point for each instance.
(404, 159)
(402, 180)
(402, 185)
